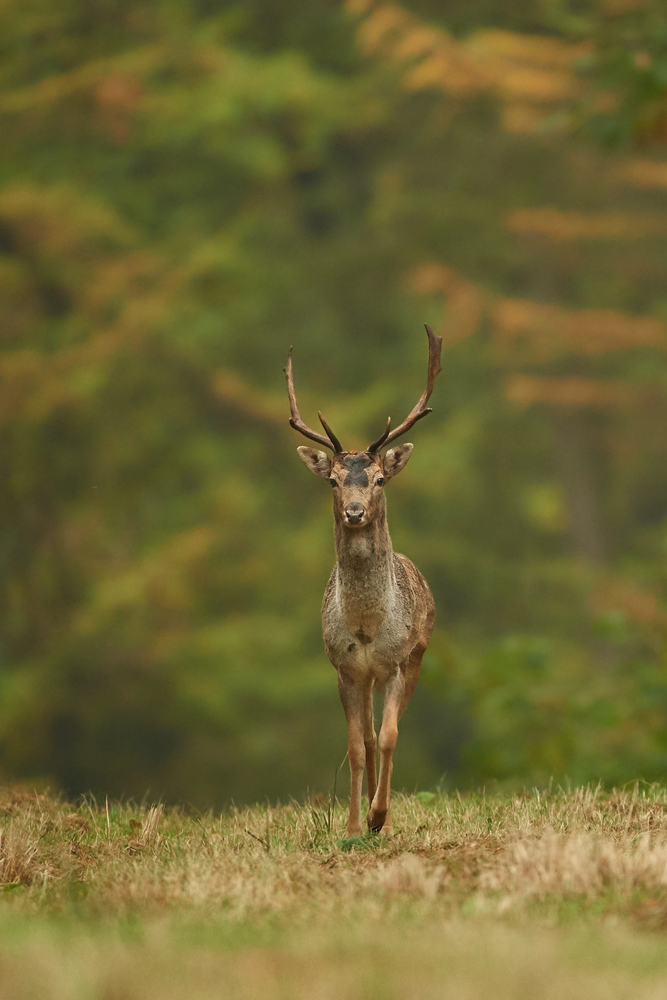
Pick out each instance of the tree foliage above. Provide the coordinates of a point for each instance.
(186, 191)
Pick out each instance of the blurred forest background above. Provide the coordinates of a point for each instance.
(187, 188)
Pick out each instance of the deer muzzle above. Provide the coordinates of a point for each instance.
(354, 513)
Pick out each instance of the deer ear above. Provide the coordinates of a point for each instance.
(396, 458)
(318, 462)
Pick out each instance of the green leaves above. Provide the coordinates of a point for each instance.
(186, 194)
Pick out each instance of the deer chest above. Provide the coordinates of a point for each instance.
(366, 645)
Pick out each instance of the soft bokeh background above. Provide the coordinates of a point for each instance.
(187, 189)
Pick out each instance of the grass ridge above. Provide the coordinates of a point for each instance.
(123, 881)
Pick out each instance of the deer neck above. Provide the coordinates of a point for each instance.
(366, 579)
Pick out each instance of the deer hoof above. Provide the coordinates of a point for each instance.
(375, 819)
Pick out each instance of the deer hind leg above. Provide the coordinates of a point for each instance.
(412, 672)
(353, 705)
(370, 741)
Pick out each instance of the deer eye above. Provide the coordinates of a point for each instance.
(379, 481)
(333, 481)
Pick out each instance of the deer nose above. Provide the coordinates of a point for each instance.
(354, 512)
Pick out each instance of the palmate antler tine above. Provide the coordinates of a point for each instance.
(331, 441)
(420, 409)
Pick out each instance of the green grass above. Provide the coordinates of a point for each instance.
(545, 895)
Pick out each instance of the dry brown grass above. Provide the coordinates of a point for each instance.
(482, 892)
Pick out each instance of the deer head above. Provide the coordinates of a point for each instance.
(358, 478)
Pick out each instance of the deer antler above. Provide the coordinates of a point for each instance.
(330, 441)
(420, 409)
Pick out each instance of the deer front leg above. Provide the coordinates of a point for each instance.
(353, 704)
(378, 815)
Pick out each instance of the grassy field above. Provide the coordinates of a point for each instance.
(538, 895)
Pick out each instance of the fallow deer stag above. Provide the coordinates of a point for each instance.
(377, 612)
